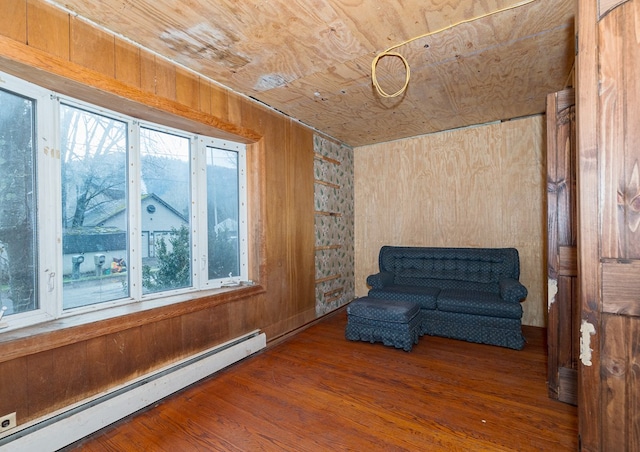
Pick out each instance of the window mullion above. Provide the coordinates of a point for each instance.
(135, 193)
(199, 196)
(242, 213)
(50, 243)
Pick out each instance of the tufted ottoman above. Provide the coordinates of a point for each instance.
(394, 323)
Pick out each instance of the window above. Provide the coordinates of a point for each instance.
(18, 259)
(165, 175)
(124, 212)
(93, 157)
(222, 213)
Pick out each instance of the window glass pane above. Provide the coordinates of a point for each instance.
(222, 213)
(17, 204)
(166, 237)
(94, 207)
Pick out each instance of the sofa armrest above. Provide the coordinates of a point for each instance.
(512, 290)
(379, 280)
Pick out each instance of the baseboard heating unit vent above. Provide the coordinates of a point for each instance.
(74, 423)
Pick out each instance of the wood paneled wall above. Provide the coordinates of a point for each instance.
(475, 187)
(49, 367)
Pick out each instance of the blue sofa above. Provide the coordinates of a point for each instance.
(472, 294)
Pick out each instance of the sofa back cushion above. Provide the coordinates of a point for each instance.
(452, 268)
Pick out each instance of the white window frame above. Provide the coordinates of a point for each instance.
(203, 144)
(49, 252)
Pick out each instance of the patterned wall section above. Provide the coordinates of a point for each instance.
(334, 242)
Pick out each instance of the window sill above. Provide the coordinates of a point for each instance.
(65, 331)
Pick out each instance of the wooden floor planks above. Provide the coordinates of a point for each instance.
(319, 392)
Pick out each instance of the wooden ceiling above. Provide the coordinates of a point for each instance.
(311, 59)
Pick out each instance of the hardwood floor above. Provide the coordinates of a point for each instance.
(319, 392)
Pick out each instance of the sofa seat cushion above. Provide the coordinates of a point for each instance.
(477, 303)
(425, 297)
(383, 310)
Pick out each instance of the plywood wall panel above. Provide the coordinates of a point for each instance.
(165, 78)
(97, 375)
(163, 335)
(128, 63)
(54, 379)
(13, 20)
(301, 189)
(125, 351)
(205, 94)
(475, 187)
(92, 48)
(219, 101)
(147, 71)
(14, 376)
(48, 28)
(187, 88)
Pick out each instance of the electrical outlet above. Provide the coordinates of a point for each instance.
(7, 422)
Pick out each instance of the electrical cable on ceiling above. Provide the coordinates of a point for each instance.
(389, 53)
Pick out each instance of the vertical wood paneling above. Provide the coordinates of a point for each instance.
(196, 331)
(54, 377)
(48, 28)
(147, 71)
(97, 374)
(92, 48)
(219, 102)
(235, 108)
(187, 88)
(42, 385)
(281, 185)
(477, 187)
(13, 20)
(14, 376)
(69, 367)
(205, 95)
(165, 78)
(162, 338)
(302, 260)
(125, 353)
(127, 63)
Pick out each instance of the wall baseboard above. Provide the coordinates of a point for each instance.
(83, 419)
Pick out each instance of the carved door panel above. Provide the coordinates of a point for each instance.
(562, 302)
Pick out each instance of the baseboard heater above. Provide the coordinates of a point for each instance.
(74, 423)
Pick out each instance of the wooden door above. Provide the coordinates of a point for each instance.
(608, 119)
(562, 325)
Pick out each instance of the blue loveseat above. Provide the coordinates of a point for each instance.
(473, 294)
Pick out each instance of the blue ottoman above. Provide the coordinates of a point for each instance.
(394, 323)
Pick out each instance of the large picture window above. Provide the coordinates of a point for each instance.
(98, 209)
(93, 156)
(18, 259)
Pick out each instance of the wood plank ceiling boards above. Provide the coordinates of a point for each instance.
(311, 59)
